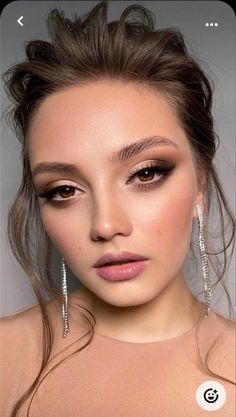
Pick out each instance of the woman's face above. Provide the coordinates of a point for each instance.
(106, 210)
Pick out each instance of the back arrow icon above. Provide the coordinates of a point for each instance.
(19, 20)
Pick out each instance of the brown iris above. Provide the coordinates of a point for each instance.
(145, 171)
(65, 190)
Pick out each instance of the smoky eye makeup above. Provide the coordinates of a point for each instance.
(145, 177)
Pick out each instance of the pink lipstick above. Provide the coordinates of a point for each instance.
(120, 266)
(122, 272)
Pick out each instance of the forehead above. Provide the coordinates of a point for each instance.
(98, 117)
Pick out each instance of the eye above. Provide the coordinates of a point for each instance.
(148, 172)
(146, 175)
(64, 191)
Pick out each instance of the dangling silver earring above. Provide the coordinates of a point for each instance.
(204, 261)
(65, 297)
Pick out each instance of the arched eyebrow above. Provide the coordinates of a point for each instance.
(119, 156)
(141, 145)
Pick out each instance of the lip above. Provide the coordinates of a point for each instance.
(113, 258)
(122, 272)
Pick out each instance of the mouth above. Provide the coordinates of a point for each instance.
(118, 263)
(119, 258)
(121, 271)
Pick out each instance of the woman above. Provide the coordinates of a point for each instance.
(118, 145)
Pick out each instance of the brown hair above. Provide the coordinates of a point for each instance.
(87, 49)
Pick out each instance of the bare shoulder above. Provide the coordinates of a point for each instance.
(21, 349)
(20, 333)
(26, 324)
(20, 353)
(19, 317)
(22, 323)
(24, 328)
(223, 356)
(227, 325)
(226, 329)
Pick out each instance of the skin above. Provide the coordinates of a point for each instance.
(84, 125)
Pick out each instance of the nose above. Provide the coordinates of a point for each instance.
(110, 218)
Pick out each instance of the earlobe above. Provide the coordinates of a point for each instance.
(200, 203)
(195, 215)
(200, 198)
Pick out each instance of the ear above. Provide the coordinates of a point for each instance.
(199, 199)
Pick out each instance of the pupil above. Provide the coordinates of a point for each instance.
(146, 172)
(65, 190)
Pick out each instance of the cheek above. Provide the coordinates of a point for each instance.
(61, 228)
(175, 226)
(168, 216)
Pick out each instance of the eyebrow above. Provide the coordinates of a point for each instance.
(119, 156)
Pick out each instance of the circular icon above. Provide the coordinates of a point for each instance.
(211, 395)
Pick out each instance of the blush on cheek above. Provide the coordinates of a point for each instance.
(174, 226)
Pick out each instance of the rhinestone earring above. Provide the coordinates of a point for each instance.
(204, 262)
(65, 297)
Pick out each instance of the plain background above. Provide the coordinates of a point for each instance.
(214, 48)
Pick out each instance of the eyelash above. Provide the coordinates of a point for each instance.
(163, 169)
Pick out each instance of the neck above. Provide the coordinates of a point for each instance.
(172, 312)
